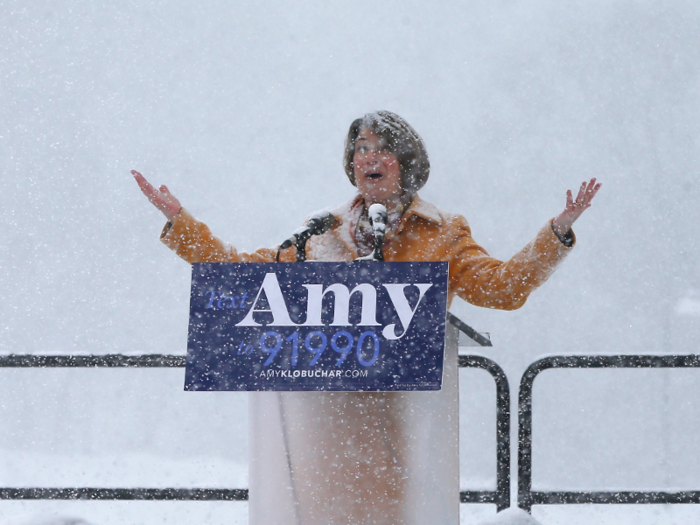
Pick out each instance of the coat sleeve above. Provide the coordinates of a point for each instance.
(193, 241)
(484, 281)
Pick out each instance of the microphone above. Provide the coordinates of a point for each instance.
(378, 219)
(319, 223)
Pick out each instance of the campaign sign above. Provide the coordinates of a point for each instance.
(363, 326)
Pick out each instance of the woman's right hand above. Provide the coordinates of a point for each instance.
(161, 198)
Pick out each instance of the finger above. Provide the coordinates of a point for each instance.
(152, 194)
(168, 197)
(145, 186)
(591, 190)
(569, 199)
(590, 185)
(581, 192)
(140, 179)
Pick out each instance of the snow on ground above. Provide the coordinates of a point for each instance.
(584, 515)
(123, 513)
(511, 516)
(34, 469)
(236, 513)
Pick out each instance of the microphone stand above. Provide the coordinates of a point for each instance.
(301, 249)
(378, 254)
(300, 245)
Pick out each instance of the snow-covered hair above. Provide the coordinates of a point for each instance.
(401, 139)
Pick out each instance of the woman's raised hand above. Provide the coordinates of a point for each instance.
(161, 198)
(574, 208)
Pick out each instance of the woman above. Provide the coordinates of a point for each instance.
(375, 458)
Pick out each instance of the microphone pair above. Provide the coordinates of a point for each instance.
(320, 222)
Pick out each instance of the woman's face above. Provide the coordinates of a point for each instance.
(377, 169)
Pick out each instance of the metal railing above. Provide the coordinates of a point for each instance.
(127, 494)
(110, 361)
(500, 497)
(526, 496)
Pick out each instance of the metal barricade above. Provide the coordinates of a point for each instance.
(86, 493)
(526, 496)
(500, 497)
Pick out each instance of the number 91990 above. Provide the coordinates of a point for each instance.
(316, 343)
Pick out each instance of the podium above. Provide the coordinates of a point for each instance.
(380, 449)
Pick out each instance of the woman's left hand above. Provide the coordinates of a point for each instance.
(574, 208)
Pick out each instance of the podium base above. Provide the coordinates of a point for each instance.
(321, 458)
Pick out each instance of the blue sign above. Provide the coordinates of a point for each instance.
(362, 326)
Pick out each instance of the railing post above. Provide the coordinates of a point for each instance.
(501, 497)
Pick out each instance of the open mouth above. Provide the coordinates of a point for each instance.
(374, 175)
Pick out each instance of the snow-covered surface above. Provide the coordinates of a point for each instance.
(123, 513)
(226, 513)
(122, 470)
(511, 516)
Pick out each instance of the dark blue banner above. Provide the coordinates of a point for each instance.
(362, 326)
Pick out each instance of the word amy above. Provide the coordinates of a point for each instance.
(276, 305)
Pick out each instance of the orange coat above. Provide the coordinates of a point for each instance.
(424, 234)
(389, 458)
